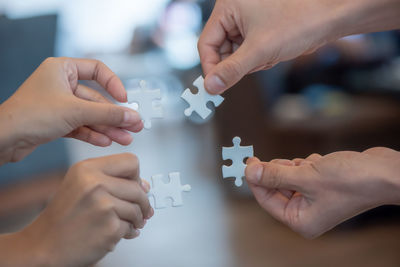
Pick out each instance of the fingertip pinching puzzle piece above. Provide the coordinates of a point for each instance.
(237, 154)
(161, 191)
(145, 99)
(198, 102)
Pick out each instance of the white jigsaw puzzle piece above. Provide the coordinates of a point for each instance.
(145, 98)
(160, 191)
(237, 154)
(198, 102)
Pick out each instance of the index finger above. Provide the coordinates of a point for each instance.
(128, 191)
(92, 69)
(124, 165)
(211, 39)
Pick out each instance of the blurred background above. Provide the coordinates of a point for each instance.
(343, 97)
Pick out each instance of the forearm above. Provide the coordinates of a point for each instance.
(5, 136)
(385, 171)
(16, 251)
(364, 16)
(392, 175)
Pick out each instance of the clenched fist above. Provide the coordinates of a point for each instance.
(99, 202)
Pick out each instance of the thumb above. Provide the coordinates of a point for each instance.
(232, 69)
(277, 176)
(92, 113)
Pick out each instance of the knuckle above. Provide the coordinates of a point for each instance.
(313, 157)
(65, 62)
(90, 186)
(375, 150)
(50, 60)
(98, 66)
(81, 169)
(106, 208)
(99, 62)
(97, 97)
(115, 114)
(88, 135)
(137, 216)
(86, 184)
(88, 163)
(113, 227)
(272, 178)
(131, 158)
(86, 180)
(86, 166)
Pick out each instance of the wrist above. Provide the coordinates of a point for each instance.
(363, 16)
(9, 134)
(391, 178)
(395, 180)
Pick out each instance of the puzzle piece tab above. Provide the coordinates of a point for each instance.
(160, 191)
(145, 98)
(237, 154)
(198, 102)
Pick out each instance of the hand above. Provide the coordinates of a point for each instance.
(99, 202)
(246, 36)
(315, 194)
(51, 104)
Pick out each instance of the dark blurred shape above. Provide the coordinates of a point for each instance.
(25, 43)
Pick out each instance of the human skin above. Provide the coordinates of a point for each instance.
(99, 202)
(315, 194)
(51, 104)
(242, 37)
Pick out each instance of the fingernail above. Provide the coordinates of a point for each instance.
(137, 232)
(138, 127)
(151, 213)
(254, 172)
(141, 226)
(130, 117)
(145, 186)
(214, 84)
